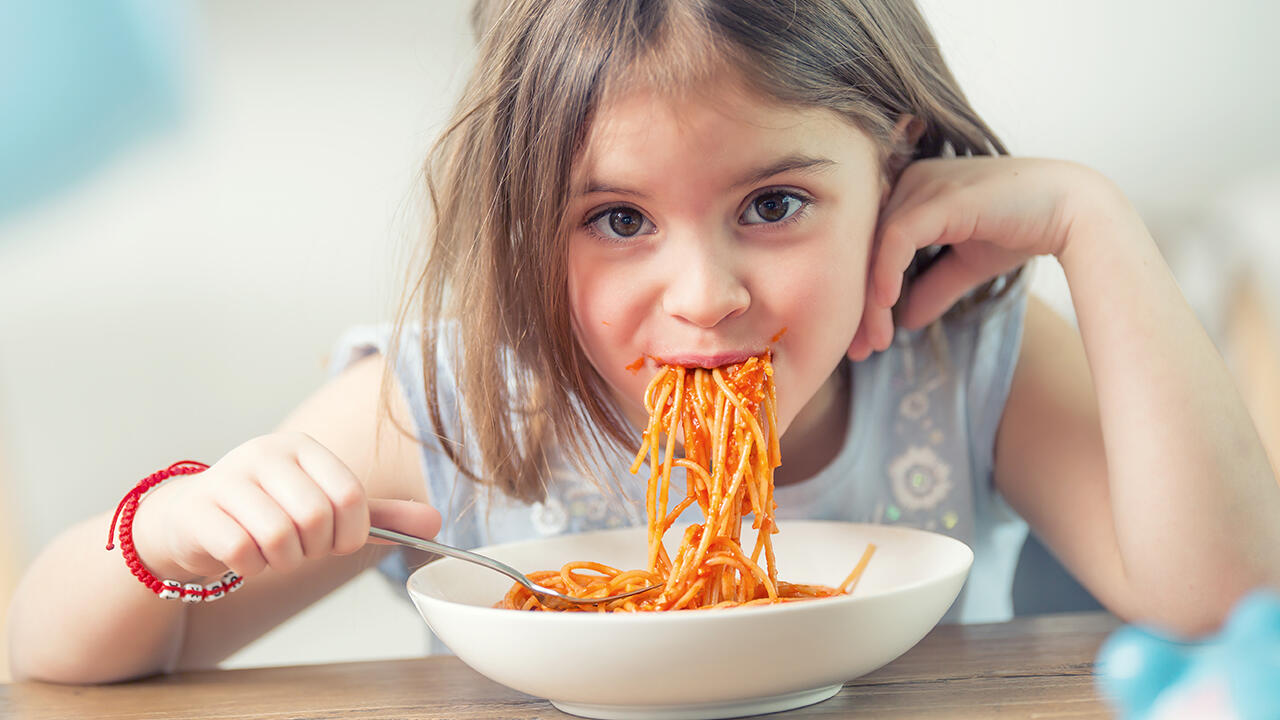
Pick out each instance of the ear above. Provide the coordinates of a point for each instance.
(906, 133)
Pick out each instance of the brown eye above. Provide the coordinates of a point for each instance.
(620, 223)
(771, 208)
(625, 222)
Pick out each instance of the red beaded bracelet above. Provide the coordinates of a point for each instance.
(167, 589)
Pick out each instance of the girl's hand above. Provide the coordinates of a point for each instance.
(994, 213)
(272, 502)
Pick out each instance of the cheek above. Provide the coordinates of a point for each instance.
(823, 287)
(845, 278)
(607, 315)
(590, 307)
(824, 316)
(820, 293)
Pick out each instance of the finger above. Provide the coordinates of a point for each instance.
(912, 229)
(934, 292)
(895, 255)
(405, 516)
(346, 495)
(879, 328)
(864, 340)
(906, 200)
(874, 334)
(270, 527)
(306, 504)
(227, 543)
(859, 348)
(913, 182)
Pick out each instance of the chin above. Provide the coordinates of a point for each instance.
(784, 423)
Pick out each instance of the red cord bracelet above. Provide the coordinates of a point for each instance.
(167, 589)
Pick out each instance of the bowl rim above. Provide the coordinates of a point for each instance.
(704, 614)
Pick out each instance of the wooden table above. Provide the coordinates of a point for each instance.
(1038, 667)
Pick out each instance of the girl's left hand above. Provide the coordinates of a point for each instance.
(994, 212)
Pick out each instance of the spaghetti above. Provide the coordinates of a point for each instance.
(726, 417)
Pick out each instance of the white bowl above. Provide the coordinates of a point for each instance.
(698, 663)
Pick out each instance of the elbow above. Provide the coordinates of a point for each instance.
(1193, 615)
(36, 659)
(1189, 625)
(66, 672)
(26, 665)
(1165, 621)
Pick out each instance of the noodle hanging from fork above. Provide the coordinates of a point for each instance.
(726, 417)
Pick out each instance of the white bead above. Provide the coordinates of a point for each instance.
(232, 581)
(193, 591)
(171, 590)
(215, 592)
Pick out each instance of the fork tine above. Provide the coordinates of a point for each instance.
(559, 601)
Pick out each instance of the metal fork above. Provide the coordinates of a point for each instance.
(549, 597)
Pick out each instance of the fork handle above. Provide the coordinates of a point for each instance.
(440, 549)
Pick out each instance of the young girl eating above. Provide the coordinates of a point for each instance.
(626, 186)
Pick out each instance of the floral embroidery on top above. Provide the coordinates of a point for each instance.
(914, 405)
(920, 478)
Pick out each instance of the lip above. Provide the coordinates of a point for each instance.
(706, 360)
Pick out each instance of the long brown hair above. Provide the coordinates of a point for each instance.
(493, 292)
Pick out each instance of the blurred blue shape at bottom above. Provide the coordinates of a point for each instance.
(1234, 674)
(80, 82)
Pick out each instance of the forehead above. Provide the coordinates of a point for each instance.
(718, 125)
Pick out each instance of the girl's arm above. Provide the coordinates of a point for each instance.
(1126, 447)
(80, 616)
(1131, 453)
(1251, 339)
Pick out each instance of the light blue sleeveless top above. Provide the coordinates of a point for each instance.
(919, 451)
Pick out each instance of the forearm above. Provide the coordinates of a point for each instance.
(1196, 507)
(80, 616)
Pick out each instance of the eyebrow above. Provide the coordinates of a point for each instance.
(790, 163)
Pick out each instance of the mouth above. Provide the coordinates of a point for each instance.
(707, 360)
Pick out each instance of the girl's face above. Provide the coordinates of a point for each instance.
(709, 227)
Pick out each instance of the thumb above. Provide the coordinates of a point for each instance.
(404, 516)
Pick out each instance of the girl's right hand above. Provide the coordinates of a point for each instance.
(272, 502)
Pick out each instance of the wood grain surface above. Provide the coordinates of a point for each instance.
(1037, 667)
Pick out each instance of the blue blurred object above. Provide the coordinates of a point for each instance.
(1136, 665)
(80, 81)
(1235, 674)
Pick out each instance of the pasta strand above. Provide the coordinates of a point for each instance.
(726, 421)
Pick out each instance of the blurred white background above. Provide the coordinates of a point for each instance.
(184, 300)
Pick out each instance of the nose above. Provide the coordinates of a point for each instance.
(705, 286)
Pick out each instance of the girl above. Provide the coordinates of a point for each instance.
(690, 182)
